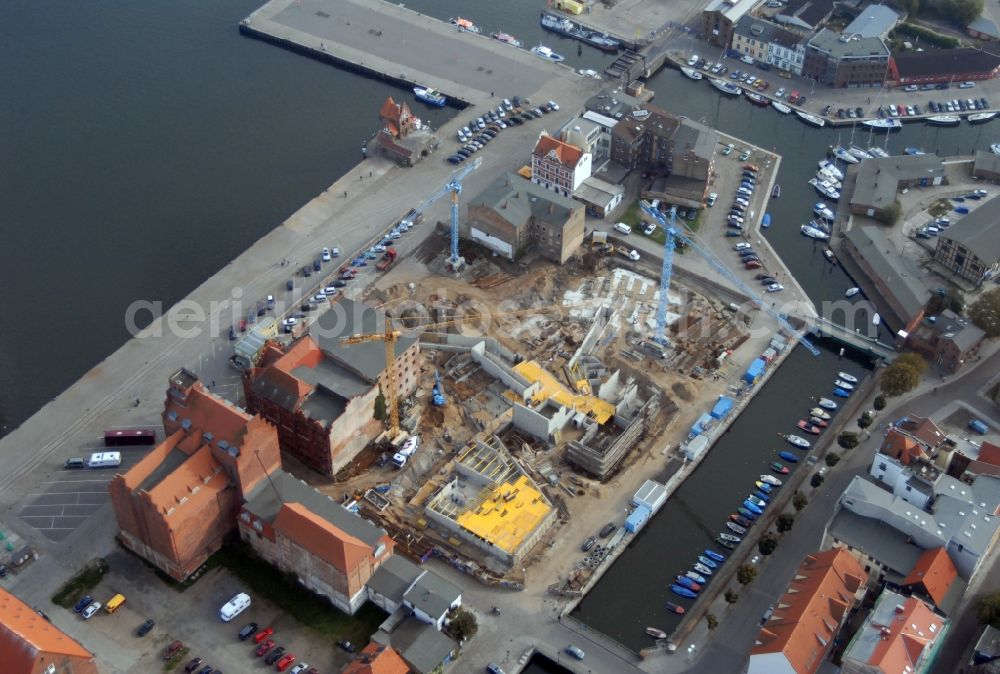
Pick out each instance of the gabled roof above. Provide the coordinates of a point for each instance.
(394, 577)
(422, 646)
(805, 13)
(900, 275)
(935, 572)
(311, 532)
(432, 594)
(808, 615)
(989, 453)
(979, 231)
(566, 154)
(874, 21)
(518, 200)
(899, 635)
(25, 636)
(377, 659)
(944, 62)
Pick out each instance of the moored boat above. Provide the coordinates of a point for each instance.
(682, 591)
(715, 555)
(736, 528)
(851, 292)
(981, 117)
(766, 220)
(656, 633)
(506, 38)
(763, 486)
(811, 120)
(841, 393)
(846, 385)
(797, 441)
(843, 155)
(702, 569)
(781, 107)
(819, 413)
(753, 507)
(430, 96)
(710, 563)
(820, 210)
(748, 514)
(761, 496)
(878, 152)
(884, 124)
(995, 148)
(771, 480)
(742, 521)
(547, 54)
(914, 151)
(825, 189)
(691, 73)
(465, 24)
(788, 456)
(944, 120)
(757, 501)
(726, 544)
(829, 255)
(727, 88)
(696, 577)
(807, 427)
(814, 233)
(816, 421)
(779, 468)
(689, 583)
(757, 99)
(776, 191)
(828, 404)
(730, 537)
(830, 166)
(846, 376)
(859, 153)
(674, 608)
(563, 26)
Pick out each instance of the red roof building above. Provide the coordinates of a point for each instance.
(933, 577)
(176, 505)
(559, 166)
(806, 619)
(30, 644)
(911, 438)
(401, 136)
(901, 635)
(377, 659)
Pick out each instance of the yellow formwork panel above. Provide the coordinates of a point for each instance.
(553, 389)
(512, 512)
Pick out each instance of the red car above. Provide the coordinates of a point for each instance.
(285, 662)
(265, 647)
(263, 634)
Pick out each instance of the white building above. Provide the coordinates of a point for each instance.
(558, 166)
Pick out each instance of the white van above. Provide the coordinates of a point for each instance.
(622, 228)
(104, 460)
(234, 607)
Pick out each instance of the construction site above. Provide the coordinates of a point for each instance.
(538, 384)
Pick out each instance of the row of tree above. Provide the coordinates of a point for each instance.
(962, 12)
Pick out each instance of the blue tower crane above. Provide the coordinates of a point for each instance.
(672, 234)
(453, 187)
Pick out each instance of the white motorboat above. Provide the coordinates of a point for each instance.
(547, 54)
(832, 168)
(843, 155)
(827, 177)
(727, 88)
(781, 107)
(811, 120)
(814, 233)
(859, 153)
(770, 479)
(851, 292)
(878, 152)
(825, 188)
(820, 413)
(876, 319)
(885, 124)
(691, 73)
(820, 210)
(944, 120)
(827, 404)
(995, 148)
(840, 383)
(798, 441)
(845, 376)
(981, 117)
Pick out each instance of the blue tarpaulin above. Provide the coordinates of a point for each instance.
(722, 408)
(755, 370)
(704, 422)
(636, 519)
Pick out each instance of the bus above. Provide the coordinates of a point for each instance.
(129, 436)
(114, 603)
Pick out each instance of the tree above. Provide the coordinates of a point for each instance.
(832, 459)
(746, 574)
(890, 215)
(985, 312)
(899, 378)
(952, 298)
(962, 11)
(847, 440)
(914, 360)
(731, 597)
(785, 522)
(767, 544)
(988, 610)
(816, 480)
(864, 421)
(711, 621)
(799, 501)
(381, 410)
(463, 626)
(879, 403)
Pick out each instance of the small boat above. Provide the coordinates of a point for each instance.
(691, 73)
(995, 148)
(506, 38)
(730, 537)
(944, 120)
(689, 583)
(779, 468)
(757, 99)
(465, 24)
(829, 255)
(807, 427)
(827, 404)
(682, 591)
(655, 633)
(814, 233)
(846, 385)
(827, 176)
(742, 521)
(757, 501)
(797, 441)
(776, 191)
(981, 117)
(914, 151)
(816, 421)
(763, 486)
(781, 107)
(825, 189)
(885, 124)
(715, 555)
(859, 153)
(876, 319)
(843, 155)
(878, 152)
(726, 544)
(674, 608)
(820, 210)
(696, 577)
(710, 563)
(749, 514)
(563, 26)
(811, 120)
(851, 292)
(753, 507)
(848, 377)
(736, 528)
(430, 96)
(788, 456)
(761, 496)
(841, 393)
(727, 88)
(771, 480)
(819, 413)
(766, 220)
(547, 54)
(702, 569)
(826, 164)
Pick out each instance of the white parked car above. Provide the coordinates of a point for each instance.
(649, 228)
(89, 612)
(742, 246)
(966, 85)
(634, 256)
(712, 198)
(775, 288)
(693, 60)
(746, 59)
(553, 105)
(288, 324)
(780, 93)
(326, 255)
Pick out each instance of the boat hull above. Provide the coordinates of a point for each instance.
(682, 591)
(674, 608)
(715, 555)
(788, 456)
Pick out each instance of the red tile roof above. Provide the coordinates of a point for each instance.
(320, 537)
(377, 659)
(899, 645)
(568, 155)
(935, 571)
(989, 453)
(807, 616)
(900, 446)
(29, 642)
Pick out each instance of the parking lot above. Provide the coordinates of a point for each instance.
(69, 497)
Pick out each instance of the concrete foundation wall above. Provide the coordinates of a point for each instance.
(537, 424)
(499, 370)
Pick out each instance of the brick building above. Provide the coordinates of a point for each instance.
(949, 341)
(401, 135)
(559, 166)
(175, 506)
(880, 179)
(943, 65)
(767, 42)
(332, 551)
(805, 14)
(512, 214)
(971, 247)
(30, 644)
(377, 659)
(720, 17)
(320, 393)
(840, 60)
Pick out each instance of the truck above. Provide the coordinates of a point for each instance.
(387, 259)
(978, 426)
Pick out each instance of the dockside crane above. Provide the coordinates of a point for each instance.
(672, 235)
(454, 188)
